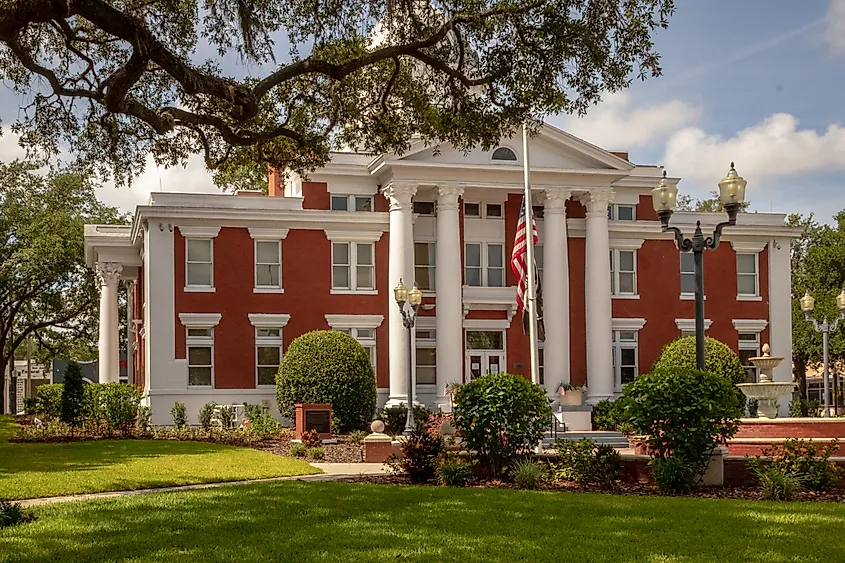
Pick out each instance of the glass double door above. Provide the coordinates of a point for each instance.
(485, 353)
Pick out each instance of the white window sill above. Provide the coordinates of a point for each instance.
(354, 292)
(268, 290)
(690, 297)
(265, 386)
(199, 289)
(749, 298)
(200, 387)
(625, 296)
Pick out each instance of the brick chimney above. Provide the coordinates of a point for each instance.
(621, 154)
(276, 183)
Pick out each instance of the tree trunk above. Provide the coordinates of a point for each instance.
(801, 377)
(6, 366)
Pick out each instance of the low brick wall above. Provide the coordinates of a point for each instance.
(792, 428)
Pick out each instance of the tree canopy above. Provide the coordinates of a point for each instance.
(120, 80)
(711, 204)
(46, 291)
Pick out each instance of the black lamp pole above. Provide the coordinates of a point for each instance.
(409, 318)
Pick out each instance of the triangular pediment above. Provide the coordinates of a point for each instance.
(550, 148)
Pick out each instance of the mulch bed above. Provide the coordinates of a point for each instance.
(636, 489)
(342, 452)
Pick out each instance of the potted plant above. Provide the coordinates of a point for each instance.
(571, 395)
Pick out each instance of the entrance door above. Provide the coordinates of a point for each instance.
(485, 353)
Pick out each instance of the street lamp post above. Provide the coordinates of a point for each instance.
(825, 327)
(409, 318)
(665, 198)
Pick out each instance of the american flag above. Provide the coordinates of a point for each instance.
(519, 257)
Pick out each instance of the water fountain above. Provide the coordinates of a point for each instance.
(766, 391)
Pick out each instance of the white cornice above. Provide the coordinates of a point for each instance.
(626, 244)
(628, 324)
(354, 321)
(750, 325)
(268, 234)
(265, 320)
(749, 246)
(689, 324)
(199, 320)
(195, 231)
(353, 236)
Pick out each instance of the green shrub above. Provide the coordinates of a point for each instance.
(527, 474)
(357, 436)
(317, 452)
(609, 415)
(328, 367)
(774, 483)
(120, 406)
(226, 416)
(718, 358)
(584, 462)
(12, 513)
(394, 418)
(145, 418)
(179, 414)
(261, 422)
(93, 406)
(454, 472)
(674, 473)
(311, 439)
(30, 405)
(500, 417)
(751, 407)
(421, 451)
(72, 395)
(804, 408)
(206, 415)
(809, 461)
(298, 450)
(683, 413)
(49, 399)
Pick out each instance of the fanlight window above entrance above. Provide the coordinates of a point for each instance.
(485, 340)
(504, 153)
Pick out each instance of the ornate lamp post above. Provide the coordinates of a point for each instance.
(409, 318)
(825, 327)
(665, 199)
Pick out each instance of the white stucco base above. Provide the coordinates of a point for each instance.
(162, 401)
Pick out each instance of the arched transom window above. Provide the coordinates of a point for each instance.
(504, 153)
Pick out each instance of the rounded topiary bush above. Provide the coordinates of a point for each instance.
(327, 366)
(718, 358)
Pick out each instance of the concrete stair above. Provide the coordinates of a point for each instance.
(614, 439)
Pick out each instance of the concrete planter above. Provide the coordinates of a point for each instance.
(572, 398)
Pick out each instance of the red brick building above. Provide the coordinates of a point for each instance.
(223, 283)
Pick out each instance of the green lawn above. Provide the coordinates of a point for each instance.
(43, 470)
(334, 522)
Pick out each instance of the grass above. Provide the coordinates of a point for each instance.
(43, 470)
(334, 522)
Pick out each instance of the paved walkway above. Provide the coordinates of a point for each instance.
(331, 472)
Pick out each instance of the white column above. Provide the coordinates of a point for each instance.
(447, 285)
(600, 380)
(400, 265)
(556, 289)
(780, 312)
(109, 349)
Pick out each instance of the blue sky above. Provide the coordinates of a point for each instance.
(760, 82)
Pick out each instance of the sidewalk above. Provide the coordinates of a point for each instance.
(331, 472)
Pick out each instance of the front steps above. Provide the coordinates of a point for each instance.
(613, 439)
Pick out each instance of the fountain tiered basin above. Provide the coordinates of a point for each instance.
(766, 392)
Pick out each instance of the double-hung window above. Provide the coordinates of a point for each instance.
(625, 356)
(749, 347)
(424, 265)
(484, 210)
(687, 274)
(268, 264)
(199, 267)
(484, 264)
(200, 344)
(352, 203)
(268, 354)
(426, 348)
(622, 212)
(747, 284)
(353, 266)
(623, 272)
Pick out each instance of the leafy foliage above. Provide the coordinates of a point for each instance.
(120, 404)
(609, 415)
(675, 473)
(394, 418)
(807, 460)
(73, 395)
(120, 81)
(527, 474)
(583, 461)
(421, 451)
(775, 484)
(311, 439)
(357, 436)
(454, 472)
(718, 358)
(261, 422)
(803, 408)
(206, 415)
(12, 513)
(179, 414)
(327, 366)
(684, 414)
(49, 398)
(500, 416)
(298, 450)
(317, 452)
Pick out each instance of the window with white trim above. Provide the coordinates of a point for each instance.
(200, 354)
(687, 273)
(622, 212)
(352, 202)
(426, 348)
(504, 154)
(353, 266)
(747, 284)
(484, 210)
(268, 354)
(749, 347)
(366, 337)
(424, 207)
(424, 265)
(268, 264)
(625, 356)
(623, 272)
(484, 264)
(199, 262)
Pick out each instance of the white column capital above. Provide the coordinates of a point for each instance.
(399, 195)
(448, 196)
(109, 273)
(555, 201)
(596, 202)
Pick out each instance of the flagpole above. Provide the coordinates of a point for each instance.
(530, 291)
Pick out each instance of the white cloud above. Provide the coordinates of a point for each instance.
(834, 31)
(770, 150)
(615, 125)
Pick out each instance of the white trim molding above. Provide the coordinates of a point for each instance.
(354, 321)
(353, 236)
(265, 320)
(626, 244)
(628, 324)
(748, 246)
(750, 325)
(688, 325)
(487, 324)
(268, 234)
(192, 231)
(199, 320)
